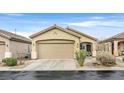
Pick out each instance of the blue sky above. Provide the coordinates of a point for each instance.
(99, 25)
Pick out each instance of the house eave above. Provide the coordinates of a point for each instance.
(18, 40)
(5, 36)
(82, 34)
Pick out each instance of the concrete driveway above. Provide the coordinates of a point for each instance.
(52, 64)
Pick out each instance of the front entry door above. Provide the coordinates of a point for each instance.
(89, 48)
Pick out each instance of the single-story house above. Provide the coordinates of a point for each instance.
(56, 42)
(114, 44)
(11, 44)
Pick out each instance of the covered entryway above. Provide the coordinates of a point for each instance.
(2, 50)
(86, 46)
(118, 48)
(121, 48)
(55, 49)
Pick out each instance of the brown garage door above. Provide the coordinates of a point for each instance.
(2, 51)
(56, 50)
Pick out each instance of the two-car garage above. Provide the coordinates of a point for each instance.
(54, 43)
(55, 49)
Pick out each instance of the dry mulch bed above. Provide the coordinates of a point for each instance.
(18, 66)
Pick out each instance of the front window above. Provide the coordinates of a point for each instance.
(82, 46)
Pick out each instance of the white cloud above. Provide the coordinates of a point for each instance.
(97, 23)
(97, 17)
(84, 24)
(25, 34)
(29, 21)
(15, 14)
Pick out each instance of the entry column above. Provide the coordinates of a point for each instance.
(116, 48)
(7, 49)
(94, 49)
(34, 51)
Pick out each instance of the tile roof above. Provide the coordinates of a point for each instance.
(82, 33)
(13, 36)
(118, 36)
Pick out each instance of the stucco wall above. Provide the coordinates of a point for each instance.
(18, 47)
(105, 47)
(5, 52)
(2, 51)
(117, 48)
(87, 39)
(7, 42)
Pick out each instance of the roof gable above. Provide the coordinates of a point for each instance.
(50, 28)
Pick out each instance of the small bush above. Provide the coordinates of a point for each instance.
(10, 61)
(80, 57)
(89, 54)
(106, 58)
(123, 58)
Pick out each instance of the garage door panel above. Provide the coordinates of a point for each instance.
(55, 51)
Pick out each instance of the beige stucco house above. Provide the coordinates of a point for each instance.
(114, 44)
(11, 44)
(59, 43)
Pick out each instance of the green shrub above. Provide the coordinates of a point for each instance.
(80, 57)
(10, 61)
(123, 58)
(89, 54)
(106, 58)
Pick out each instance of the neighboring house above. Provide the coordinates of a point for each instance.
(11, 44)
(114, 44)
(58, 43)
